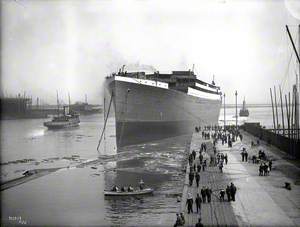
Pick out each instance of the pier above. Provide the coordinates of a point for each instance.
(260, 200)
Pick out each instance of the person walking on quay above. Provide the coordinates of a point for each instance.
(243, 154)
(197, 176)
(228, 193)
(204, 165)
(246, 156)
(194, 154)
(189, 203)
(226, 158)
(232, 191)
(203, 194)
(208, 194)
(201, 157)
(241, 137)
(191, 178)
(221, 167)
(260, 169)
(198, 203)
(270, 165)
(222, 195)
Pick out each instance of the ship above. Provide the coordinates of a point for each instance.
(244, 112)
(68, 119)
(153, 106)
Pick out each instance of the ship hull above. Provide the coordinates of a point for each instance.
(147, 113)
(60, 125)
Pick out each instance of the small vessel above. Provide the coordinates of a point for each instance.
(137, 192)
(67, 120)
(244, 112)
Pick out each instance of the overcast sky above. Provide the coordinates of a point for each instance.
(72, 45)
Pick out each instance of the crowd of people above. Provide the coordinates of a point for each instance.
(199, 163)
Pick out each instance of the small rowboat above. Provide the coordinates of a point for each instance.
(137, 192)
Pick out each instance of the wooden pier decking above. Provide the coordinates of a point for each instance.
(215, 212)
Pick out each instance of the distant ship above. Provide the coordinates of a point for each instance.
(154, 106)
(244, 112)
(84, 108)
(68, 119)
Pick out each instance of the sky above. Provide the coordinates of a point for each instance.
(71, 45)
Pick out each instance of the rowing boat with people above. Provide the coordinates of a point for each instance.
(126, 193)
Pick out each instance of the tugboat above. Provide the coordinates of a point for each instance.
(244, 112)
(67, 120)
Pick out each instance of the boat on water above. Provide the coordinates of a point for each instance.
(133, 193)
(153, 106)
(244, 112)
(63, 121)
(68, 119)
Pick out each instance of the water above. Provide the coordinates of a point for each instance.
(74, 195)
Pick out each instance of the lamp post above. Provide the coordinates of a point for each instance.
(236, 116)
(224, 113)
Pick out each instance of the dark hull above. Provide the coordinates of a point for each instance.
(143, 132)
(144, 113)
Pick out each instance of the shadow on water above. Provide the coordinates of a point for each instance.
(160, 165)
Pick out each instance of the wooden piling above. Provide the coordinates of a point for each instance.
(277, 126)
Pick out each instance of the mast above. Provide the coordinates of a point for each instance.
(86, 99)
(282, 116)
(69, 99)
(276, 110)
(273, 110)
(103, 121)
(224, 113)
(236, 116)
(291, 39)
(57, 101)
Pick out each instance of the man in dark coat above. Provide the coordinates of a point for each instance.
(194, 154)
(246, 156)
(232, 191)
(191, 178)
(208, 194)
(203, 194)
(198, 203)
(270, 165)
(228, 193)
(197, 179)
(226, 159)
(204, 165)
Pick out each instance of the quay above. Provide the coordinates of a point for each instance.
(260, 200)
